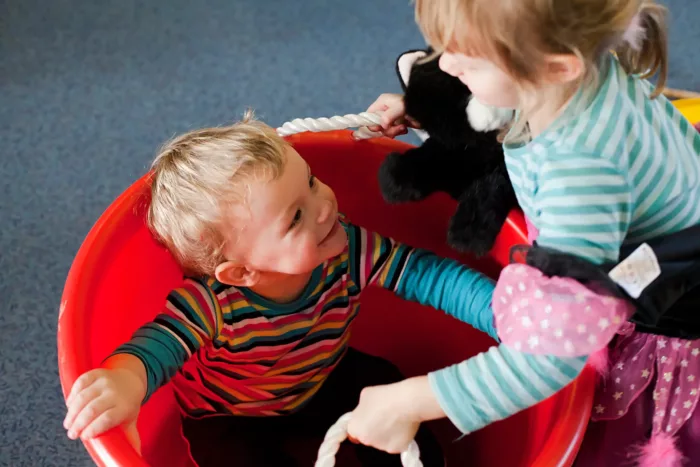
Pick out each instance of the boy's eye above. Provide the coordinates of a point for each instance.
(312, 181)
(296, 219)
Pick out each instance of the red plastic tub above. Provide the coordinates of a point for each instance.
(120, 277)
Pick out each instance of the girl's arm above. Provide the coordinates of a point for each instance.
(488, 387)
(588, 216)
(483, 389)
(498, 383)
(547, 325)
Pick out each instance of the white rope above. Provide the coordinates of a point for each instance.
(339, 433)
(360, 121)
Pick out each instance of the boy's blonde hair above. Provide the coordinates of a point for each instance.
(516, 34)
(197, 176)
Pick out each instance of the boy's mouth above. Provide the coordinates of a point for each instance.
(334, 229)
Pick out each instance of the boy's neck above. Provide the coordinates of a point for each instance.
(282, 288)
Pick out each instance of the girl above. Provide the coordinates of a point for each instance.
(599, 161)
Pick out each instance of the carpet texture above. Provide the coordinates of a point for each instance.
(88, 90)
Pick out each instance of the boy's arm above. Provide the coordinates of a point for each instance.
(112, 395)
(421, 276)
(192, 316)
(446, 284)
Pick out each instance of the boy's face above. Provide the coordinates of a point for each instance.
(288, 225)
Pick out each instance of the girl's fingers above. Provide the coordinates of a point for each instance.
(396, 131)
(392, 117)
(412, 123)
(377, 106)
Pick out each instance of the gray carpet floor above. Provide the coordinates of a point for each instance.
(89, 89)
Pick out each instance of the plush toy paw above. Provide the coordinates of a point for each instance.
(399, 180)
(472, 234)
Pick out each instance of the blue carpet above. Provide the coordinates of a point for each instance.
(89, 89)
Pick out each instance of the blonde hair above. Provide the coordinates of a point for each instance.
(517, 34)
(197, 176)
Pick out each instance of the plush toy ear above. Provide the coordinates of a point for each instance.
(405, 62)
(404, 65)
(486, 118)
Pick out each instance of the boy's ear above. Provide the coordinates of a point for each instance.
(236, 274)
(563, 68)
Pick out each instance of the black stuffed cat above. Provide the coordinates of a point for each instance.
(460, 155)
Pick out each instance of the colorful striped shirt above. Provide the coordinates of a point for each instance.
(616, 167)
(230, 351)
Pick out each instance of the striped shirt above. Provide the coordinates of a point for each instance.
(230, 351)
(617, 167)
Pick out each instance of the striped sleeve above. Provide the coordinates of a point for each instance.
(499, 383)
(191, 317)
(585, 207)
(375, 260)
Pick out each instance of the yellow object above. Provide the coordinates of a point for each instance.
(690, 108)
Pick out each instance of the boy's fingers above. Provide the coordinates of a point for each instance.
(103, 422)
(80, 401)
(94, 411)
(81, 383)
(132, 434)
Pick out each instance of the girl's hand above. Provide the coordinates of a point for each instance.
(102, 399)
(395, 122)
(388, 417)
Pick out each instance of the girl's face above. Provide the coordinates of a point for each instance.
(488, 83)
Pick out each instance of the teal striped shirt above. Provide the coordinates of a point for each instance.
(492, 385)
(616, 167)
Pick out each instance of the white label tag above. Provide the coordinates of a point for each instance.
(637, 271)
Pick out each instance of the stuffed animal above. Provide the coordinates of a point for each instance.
(460, 154)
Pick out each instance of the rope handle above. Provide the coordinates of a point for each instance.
(338, 433)
(360, 121)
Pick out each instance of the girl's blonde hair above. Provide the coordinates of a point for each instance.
(517, 34)
(197, 177)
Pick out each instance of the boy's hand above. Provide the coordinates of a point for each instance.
(102, 399)
(395, 122)
(388, 417)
